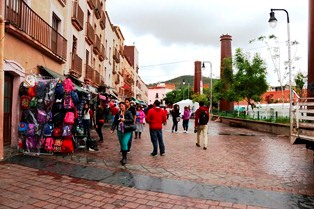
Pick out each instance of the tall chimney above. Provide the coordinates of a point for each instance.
(197, 76)
(225, 53)
(310, 69)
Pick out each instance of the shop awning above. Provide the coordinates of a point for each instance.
(62, 77)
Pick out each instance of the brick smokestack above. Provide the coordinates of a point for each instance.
(197, 76)
(310, 70)
(226, 52)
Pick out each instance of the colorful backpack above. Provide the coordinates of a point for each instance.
(68, 85)
(31, 129)
(33, 103)
(23, 126)
(75, 97)
(57, 132)
(57, 145)
(30, 143)
(49, 142)
(25, 101)
(31, 91)
(69, 118)
(67, 130)
(68, 102)
(40, 89)
(47, 129)
(67, 145)
(41, 116)
(23, 90)
(59, 91)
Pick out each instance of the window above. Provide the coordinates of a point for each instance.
(74, 46)
(54, 33)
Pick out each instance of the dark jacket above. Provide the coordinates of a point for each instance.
(128, 116)
(100, 114)
(175, 114)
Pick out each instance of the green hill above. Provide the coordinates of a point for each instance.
(187, 78)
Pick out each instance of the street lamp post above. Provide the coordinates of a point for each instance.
(273, 22)
(183, 82)
(211, 85)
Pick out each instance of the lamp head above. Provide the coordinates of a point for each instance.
(183, 82)
(272, 19)
(203, 65)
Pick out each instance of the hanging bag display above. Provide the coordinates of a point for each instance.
(49, 142)
(69, 118)
(25, 102)
(68, 102)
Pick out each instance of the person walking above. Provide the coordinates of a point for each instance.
(100, 120)
(124, 122)
(175, 113)
(155, 118)
(201, 121)
(186, 118)
(87, 115)
(140, 116)
(131, 108)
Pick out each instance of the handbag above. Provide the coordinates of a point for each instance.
(178, 119)
(101, 121)
(129, 127)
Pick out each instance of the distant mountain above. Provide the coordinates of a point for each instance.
(179, 81)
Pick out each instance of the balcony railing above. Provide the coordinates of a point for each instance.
(97, 9)
(91, 3)
(102, 53)
(103, 20)
(77, 16)
(96, 47)
(97, 78)
(116, 56)
(24, 23)
(90, 36)
(76, 68)
(89, 76)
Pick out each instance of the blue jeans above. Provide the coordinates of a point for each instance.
(156, 138)
(86, 124)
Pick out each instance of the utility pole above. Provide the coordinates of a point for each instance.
(1, 79)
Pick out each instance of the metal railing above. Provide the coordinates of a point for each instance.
(21, 16)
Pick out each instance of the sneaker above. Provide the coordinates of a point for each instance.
(162, 154)
(152, 154)
(197, 145)
(205, 148)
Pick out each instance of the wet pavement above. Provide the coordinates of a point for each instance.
(240, 169)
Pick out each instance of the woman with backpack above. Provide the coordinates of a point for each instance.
(100, 120)
(87, 116)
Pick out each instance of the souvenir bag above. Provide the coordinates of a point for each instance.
(31, 91)
(41, 116)
(47, 129)
(58, 119)
(30, 142)
(31, 129)
(22, 90)
(68, 85)
(40, 89)
(23, 126)
(49, 142)
(50, 94)
(68, 102)
(59, 91)
(57, 145)
(66, 131)
(67, 145)
(69, 118)
(75, 97)
(33, 103)
(92, 143)
(57, 132)
(20, 144)
(29, 81)
(25, 102)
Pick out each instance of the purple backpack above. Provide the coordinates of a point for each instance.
(66, 130)
(31, 129)
(30, 143)
(41, 116)
(68, 102)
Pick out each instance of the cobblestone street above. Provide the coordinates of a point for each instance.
(240, 169)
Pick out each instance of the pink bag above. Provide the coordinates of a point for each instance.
(49, 144)
(41, 116)
(31, 129)
(68, 85)
(69, 118)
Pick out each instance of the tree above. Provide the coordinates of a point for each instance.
(299, 83)
(249, 79)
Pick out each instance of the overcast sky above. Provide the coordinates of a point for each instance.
(171, 34)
